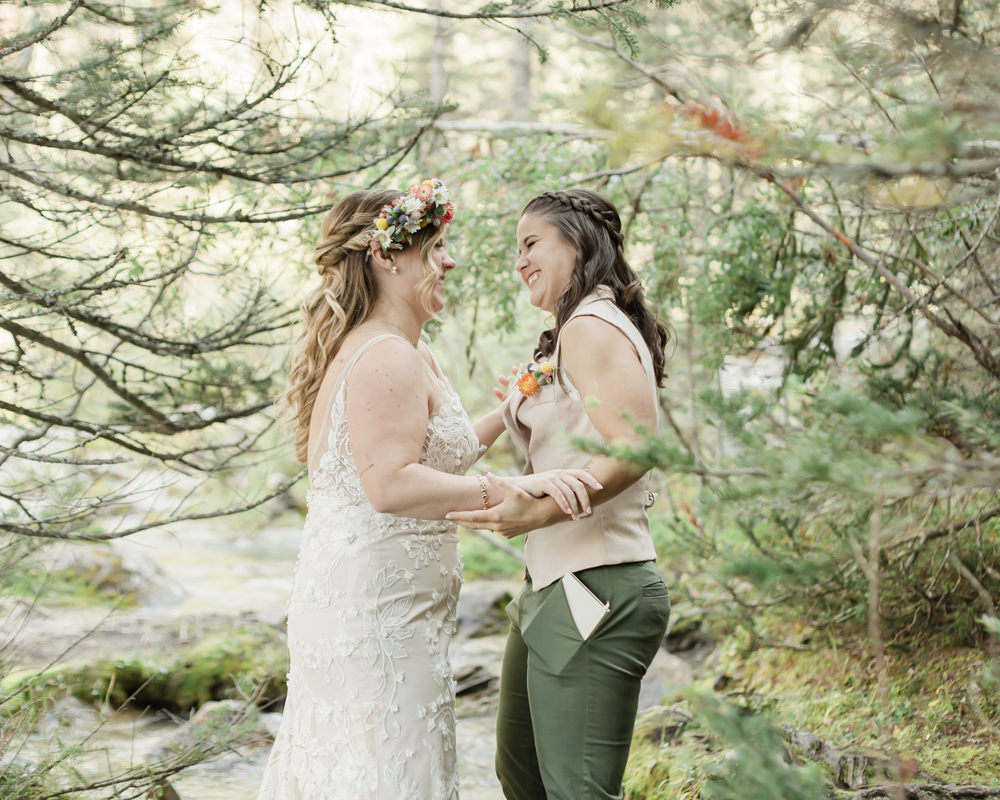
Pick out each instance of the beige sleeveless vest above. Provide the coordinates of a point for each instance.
(543, 428)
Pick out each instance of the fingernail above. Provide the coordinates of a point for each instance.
(447, 516)
(600, 486)
(589, 511)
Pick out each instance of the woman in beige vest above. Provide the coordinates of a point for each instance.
(568, 703)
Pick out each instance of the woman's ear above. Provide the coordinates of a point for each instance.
(386, 261)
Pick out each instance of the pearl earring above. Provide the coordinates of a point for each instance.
(394, 270)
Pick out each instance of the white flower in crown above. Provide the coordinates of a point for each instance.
(441, 195)
(412, 226)
(384, 238)
(412, 205)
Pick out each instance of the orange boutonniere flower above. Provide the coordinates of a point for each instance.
(528, 385)
(531, 381)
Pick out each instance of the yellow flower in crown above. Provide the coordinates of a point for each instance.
(381, 223)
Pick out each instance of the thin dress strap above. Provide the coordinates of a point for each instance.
(318, 444)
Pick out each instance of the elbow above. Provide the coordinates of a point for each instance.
(383, 502)
(388, 497)
(389, 491)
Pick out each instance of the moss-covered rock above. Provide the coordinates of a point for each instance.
(220, 666)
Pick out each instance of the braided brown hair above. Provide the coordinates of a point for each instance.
(590, 222)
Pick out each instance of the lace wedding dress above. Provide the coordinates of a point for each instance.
(370, 713)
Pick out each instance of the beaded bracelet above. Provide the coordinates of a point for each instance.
(486, 497)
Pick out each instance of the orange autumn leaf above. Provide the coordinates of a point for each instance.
(713, 120)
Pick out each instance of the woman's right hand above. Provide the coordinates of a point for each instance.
(503, 380)
(568, 487)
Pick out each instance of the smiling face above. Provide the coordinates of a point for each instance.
(413, 282)
(545, 261)
(445, 264)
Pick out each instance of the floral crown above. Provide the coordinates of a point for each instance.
(427, 203)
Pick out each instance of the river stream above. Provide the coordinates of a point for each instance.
(211, 572)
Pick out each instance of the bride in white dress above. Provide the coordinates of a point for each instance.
(370, 712)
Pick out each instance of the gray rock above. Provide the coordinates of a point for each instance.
(122, 568)
(849, 768)
(272, 722)
(163, 790)
(208, 727)
(70, 713)
(662, 724)
(667, 672)
(481, 607)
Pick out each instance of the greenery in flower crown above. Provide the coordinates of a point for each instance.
(427, 203)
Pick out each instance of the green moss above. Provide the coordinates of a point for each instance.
(219, 667)
(831, 691)
(978, 763)
(646, 772)
(66, 588)
(675, 771)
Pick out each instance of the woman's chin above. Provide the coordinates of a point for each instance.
(541, 304)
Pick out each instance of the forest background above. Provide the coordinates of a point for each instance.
(810, 195)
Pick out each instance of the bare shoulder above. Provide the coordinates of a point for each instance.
(428, 356)
(391, 358)
(594, 339)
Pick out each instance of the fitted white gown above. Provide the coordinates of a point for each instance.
(370, 713)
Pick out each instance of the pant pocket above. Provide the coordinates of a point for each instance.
(548, 629)
(655, 590)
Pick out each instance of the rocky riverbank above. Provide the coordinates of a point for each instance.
(155, 669)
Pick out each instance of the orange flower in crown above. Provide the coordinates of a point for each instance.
(427, 203)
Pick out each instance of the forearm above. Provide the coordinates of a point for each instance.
(418, 491)
(489, 427)
(614, 475)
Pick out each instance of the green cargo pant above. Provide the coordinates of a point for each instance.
(567, 706)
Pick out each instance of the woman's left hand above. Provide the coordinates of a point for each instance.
(519, 512)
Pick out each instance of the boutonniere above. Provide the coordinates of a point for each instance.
(534, 377)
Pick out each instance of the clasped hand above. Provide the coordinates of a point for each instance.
(532, 501)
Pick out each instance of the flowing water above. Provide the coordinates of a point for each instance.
(207, 571)
(237, 776)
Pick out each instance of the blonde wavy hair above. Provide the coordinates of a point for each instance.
(345, 297)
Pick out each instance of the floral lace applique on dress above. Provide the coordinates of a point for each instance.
(370, 713)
